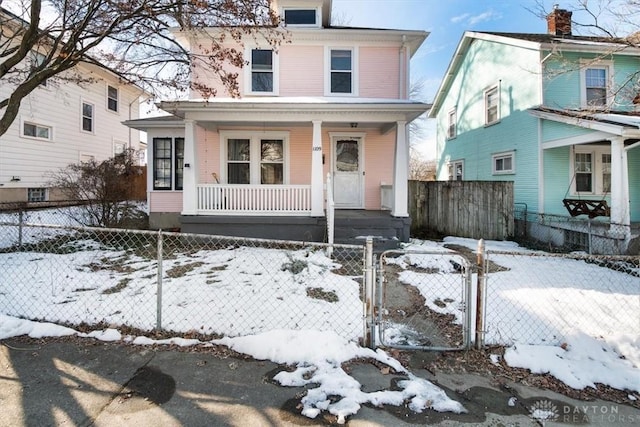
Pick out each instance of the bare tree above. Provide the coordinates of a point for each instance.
(104, 188)
(421, 169)
(616, 22)
(46, 39)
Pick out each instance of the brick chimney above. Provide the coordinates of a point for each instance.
(559, 22)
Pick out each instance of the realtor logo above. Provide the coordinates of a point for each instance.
(544, 410)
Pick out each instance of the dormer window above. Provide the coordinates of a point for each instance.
(301, 17)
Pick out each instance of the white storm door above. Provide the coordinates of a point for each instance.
(348, 179)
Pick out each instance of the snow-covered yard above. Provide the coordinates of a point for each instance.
(298, 306)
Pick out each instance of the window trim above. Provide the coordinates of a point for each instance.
(254, 138)
(451, 166)
(93, 117)
(501, 156)
(452, 123)
(609, 73)
(248, 73)
(487, 92)
(117, 99)
(37, 124)
(597, 178)
(354, 71)
(318, 19)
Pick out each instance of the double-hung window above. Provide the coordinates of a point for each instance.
(168, 163)
(584, 172)
(87, 117)
(503, 163)
(255, 158)
(263, 72)
(594, 79)
(452, 124)
(341, 72)
(592, 170)
(492, 105)
(112, 98)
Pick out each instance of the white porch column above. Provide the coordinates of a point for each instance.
(619, 183)
(317, 195)
(401, 172)
(190, 171)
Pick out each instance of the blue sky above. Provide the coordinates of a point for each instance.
(446, 21)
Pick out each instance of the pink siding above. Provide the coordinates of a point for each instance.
(300, 155)
(379, 72)
(211, 79)
(379, 152)
(301, 71)
(165, 201)
(378, 149)
(208, 154)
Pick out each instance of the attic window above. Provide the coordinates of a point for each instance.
(301, 17)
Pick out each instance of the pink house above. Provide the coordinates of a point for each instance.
(329, 110)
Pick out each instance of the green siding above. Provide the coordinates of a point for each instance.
(562, 82)
(556, 179)
(488, 64)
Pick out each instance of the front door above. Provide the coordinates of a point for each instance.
(348, 172)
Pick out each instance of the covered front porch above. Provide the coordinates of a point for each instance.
(601, 189)
(274, 168)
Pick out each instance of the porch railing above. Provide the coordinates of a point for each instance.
(238, 199)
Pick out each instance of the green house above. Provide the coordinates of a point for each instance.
(558, 115)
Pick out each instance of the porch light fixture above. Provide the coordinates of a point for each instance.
(354, 124)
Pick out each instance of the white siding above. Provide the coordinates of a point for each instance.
(58, 105)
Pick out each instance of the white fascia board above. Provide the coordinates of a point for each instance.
(459, 55)
(609, 128)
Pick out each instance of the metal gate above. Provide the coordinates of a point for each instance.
(423, 300)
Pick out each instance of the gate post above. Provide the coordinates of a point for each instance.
(480, 297)
(369, 297)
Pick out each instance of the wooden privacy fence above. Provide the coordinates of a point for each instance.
(474, 209)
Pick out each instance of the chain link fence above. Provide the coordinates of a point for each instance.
(183, 283)
(193, 285)
(541, 298)
(559, 233)
(424, 300)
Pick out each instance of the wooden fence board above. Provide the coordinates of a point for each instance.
(474, 209)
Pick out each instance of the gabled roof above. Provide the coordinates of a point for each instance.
(539, 42)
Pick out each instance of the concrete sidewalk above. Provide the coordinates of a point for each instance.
(55, 382)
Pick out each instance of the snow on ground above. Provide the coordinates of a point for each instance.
(251, 303)
(317, 356)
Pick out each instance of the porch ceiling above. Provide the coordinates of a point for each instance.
(362, 114)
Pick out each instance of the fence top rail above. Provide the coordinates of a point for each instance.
(247, 240)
